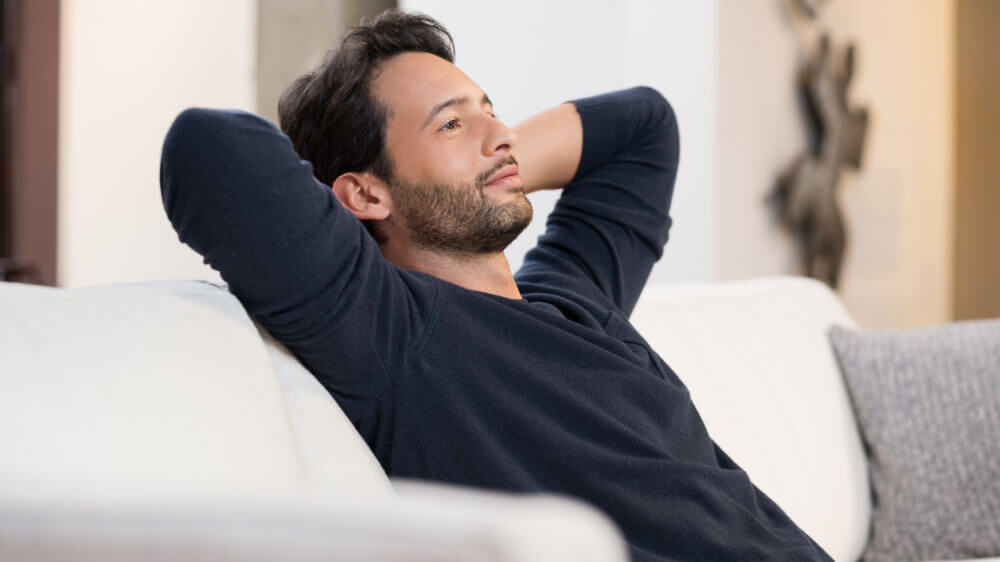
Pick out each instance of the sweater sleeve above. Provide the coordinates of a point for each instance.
(236, 191)
(611, 222)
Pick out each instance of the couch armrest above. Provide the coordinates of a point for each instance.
(428, 522)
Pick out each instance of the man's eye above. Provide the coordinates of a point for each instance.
(451, 124)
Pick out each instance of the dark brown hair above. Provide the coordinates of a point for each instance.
(331, 114)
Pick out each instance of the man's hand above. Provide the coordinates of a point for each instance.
(548, 148)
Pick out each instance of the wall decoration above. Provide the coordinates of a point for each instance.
(805, 197)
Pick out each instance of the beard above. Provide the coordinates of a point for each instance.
(460, 219)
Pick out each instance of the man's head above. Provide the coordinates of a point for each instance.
(407, 141)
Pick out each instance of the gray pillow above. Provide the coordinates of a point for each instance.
(928, 406)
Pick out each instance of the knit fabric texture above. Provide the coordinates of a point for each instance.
(928, 405)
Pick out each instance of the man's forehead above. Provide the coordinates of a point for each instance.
(415, 86)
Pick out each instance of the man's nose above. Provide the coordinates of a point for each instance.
(501, 138)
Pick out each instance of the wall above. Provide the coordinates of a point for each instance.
(899, 272)
(898, 208)
(292, 38)
(760, 132)
(729, 67)
(127, 69)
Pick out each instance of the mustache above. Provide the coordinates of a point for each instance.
(481, 178)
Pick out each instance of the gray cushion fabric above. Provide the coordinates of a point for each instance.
(928, 405)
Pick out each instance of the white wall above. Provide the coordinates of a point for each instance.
(530, 55)
(127, 68)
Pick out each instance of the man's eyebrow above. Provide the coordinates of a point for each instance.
(453, 101)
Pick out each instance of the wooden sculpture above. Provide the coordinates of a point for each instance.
(805, 196)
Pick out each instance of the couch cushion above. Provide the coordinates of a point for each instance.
(146, 385)
(760, 370)
(928, 401)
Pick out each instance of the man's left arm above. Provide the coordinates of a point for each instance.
(612, 219)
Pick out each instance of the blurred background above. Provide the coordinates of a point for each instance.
(91, 86)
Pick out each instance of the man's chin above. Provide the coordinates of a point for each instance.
(485, 224)
(522, 222)
(518, 220)
(521, 212)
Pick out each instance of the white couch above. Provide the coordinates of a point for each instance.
(155, 421)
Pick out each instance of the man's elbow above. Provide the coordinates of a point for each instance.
(187, 166)
(660, 110)
(661, 133)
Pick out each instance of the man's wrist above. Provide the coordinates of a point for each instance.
(548, 147)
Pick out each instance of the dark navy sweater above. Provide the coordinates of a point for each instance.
(556, 392)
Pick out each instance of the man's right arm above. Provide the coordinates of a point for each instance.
(548, 147)
(236, 191)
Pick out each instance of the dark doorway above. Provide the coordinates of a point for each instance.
(29, 104)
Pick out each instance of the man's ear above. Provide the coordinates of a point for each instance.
(363, 194)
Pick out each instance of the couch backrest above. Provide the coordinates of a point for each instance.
(169, 384)
(158, 385)
(755, 357)
(333, 453)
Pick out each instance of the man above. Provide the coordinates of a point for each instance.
(385, 275)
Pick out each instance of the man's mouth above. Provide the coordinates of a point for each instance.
(505, 176)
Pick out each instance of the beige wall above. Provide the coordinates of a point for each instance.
(898, 208)
(127, 69)
(760, 132)
(293, 37)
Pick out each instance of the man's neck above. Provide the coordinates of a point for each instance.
(487, 273)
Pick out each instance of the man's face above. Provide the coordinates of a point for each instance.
(448, 151)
